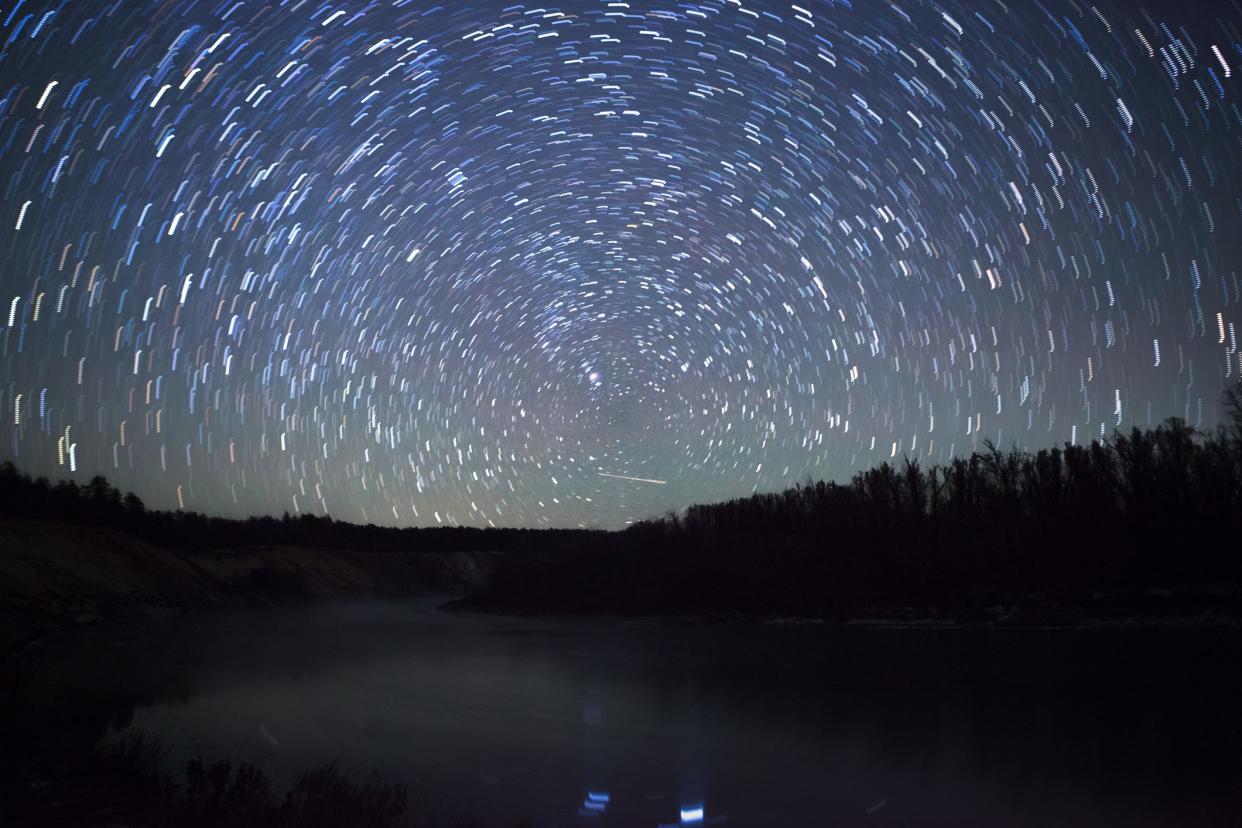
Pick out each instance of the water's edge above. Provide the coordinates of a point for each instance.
(57, 577)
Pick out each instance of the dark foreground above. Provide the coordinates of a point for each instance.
(1078, 667)
(509, 720)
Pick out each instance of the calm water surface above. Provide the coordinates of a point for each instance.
(756, 725)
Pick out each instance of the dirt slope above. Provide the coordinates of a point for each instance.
(54, 576)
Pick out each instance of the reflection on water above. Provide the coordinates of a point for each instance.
(631, 724)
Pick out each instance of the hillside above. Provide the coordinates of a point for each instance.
(54, 575)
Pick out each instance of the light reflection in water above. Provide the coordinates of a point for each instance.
(594, 804)
(514, 719)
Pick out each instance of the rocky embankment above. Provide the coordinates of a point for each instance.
(55, 576)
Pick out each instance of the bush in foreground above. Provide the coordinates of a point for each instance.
(129, 783)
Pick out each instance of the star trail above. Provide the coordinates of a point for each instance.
(580, 263)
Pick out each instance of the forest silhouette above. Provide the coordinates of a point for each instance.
(1155, 511)
(1150, 514)
(98, 503)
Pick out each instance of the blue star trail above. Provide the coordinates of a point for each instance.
(580, 263)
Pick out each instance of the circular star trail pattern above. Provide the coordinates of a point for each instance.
(580, 263)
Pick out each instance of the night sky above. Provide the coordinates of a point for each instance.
(583, 262)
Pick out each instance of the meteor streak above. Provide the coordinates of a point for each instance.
(635, 479)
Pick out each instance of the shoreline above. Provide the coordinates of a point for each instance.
(57, 577)
(1066, 619)
(449, 604)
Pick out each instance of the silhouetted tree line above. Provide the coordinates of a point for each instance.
(1156, 508)
(98, 503)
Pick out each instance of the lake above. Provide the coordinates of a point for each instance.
(625, 723)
